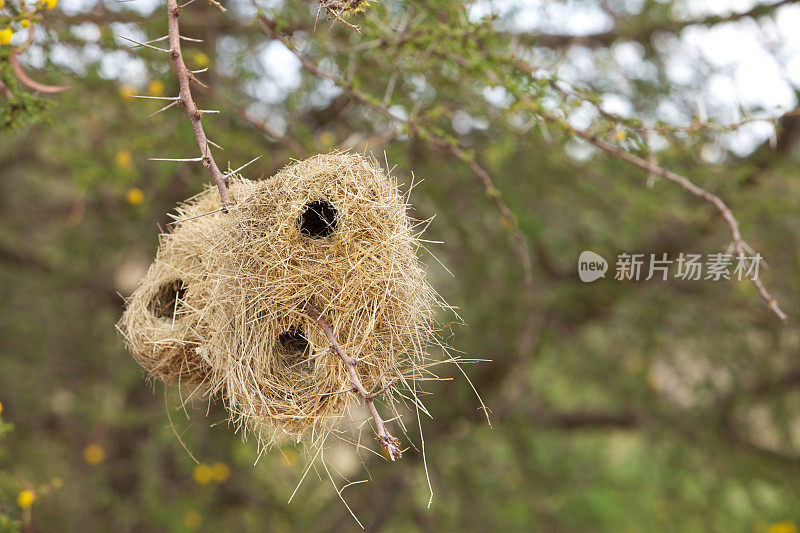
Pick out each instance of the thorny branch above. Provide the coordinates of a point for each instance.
(385, 439)
(687, 185)
(185, 77)
(652, 168)
(739, 245)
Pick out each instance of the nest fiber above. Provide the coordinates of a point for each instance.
(222, 306)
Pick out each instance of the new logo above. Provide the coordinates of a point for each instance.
(591, 266)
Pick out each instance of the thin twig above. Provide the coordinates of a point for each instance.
(385, 439)
(652, 168)
(217, 5)
(288, 142)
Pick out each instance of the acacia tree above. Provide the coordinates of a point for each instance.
(614, 403)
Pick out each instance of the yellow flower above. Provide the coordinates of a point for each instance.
(220, 472)
(123, 158)
(25, 498)
(202, 474)
(51, 4)
(2, 4)
(134, 196)
(192, 519)
(94, 454)
(6, 35)
(1, 408)
(620, 135)
(127, 92)
(155, 88)
(24, 23)
(290, 457)
(326, 139)
(201, 60)
(782, 527)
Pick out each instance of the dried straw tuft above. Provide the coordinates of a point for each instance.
(223, 303)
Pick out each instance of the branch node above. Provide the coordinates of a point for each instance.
(391, 445)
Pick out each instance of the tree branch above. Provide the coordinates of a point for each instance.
(185, 77)
(687, 185)
(385, 439)
(653, 169)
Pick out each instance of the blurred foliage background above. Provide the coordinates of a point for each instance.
(616, 406)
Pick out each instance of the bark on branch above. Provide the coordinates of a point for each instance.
(389, 443)
(185, 77)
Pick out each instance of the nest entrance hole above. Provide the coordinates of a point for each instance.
(292, 341)
(293, 345)
(168, 299)
(318, 219)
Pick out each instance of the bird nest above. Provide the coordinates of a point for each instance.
(308, 287)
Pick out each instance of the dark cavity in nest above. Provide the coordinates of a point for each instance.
(318, 220)
(168, 299)
(294, 345)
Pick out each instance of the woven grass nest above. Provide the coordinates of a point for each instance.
(225, 304)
